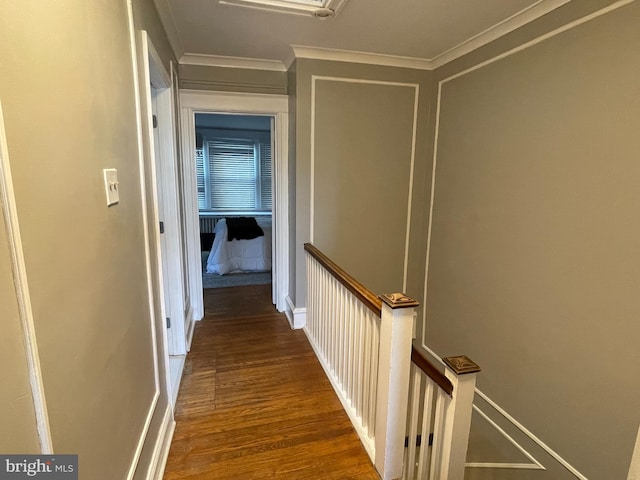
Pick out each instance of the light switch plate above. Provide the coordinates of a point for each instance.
(111, 186)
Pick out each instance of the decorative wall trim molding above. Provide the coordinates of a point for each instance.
(416, 87)
(516, 424)
(533, 437)
(442, 82)
(10, 213)
(162, 446)
(232, 62)
(335, 55)
(527, 15)
(500, 29)
(533, 465)
(297, 317)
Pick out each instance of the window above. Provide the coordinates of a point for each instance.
(234, 175)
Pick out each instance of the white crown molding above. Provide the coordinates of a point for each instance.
(508, 25)
(317, 53)
(527, 15)
(168, 22)
(232, 62)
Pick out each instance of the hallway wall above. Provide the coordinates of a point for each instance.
(534, 266)
(66, 84)
(359, 180)
(16, 402)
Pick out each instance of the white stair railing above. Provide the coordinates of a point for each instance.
(439, 418)
(364, 344)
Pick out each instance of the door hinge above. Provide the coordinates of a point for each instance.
(168, 322)
(154, 120)
(161, 227)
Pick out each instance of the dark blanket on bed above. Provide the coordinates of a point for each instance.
(243, 228)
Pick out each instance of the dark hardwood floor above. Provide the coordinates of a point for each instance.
(255, 403)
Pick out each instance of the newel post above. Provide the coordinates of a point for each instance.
(394, 363)
(455, 436)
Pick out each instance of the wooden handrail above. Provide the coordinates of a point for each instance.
(366, 296)
(431, 371)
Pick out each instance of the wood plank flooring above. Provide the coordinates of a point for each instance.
(255, 403)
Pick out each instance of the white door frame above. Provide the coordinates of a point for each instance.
(276, 106)
(150, 70)
(168, 203)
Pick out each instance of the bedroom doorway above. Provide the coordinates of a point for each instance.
(227, 104)
(235, 197)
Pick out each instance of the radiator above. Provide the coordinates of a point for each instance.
(208, 224)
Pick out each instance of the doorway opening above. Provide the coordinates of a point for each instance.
(234, 180)
(231, 105)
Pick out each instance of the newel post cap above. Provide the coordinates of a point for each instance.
(461, 365)
(398, 300)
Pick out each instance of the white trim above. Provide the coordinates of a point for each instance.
(533, 465)
(500, 29)
(153, 315)
(162, 446)
(23, 296)
(416, 87)
(517, 424)
(533, 437)
(540, 39)
(176, 376)
(501, 56)
(297, 317)
(350, 56)
(276, 106)
(166, 179)
(232, 62)
(192, 224)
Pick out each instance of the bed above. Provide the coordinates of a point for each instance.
(233, 255)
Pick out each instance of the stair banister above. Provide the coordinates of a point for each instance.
(394, 363)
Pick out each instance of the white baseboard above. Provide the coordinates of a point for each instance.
(297, 316)
(163, 444)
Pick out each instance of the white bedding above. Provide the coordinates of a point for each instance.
(239, 255)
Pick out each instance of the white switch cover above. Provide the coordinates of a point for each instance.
(111, 186)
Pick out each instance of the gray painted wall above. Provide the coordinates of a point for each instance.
(16, 400)
(533, 270)
(66, 74)
(225, 79)
(363, 127)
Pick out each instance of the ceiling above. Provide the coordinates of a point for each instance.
(433, 31)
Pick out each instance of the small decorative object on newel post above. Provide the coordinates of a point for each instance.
(394, 364)
(462, 372)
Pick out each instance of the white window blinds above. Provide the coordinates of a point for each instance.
(235, 175)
